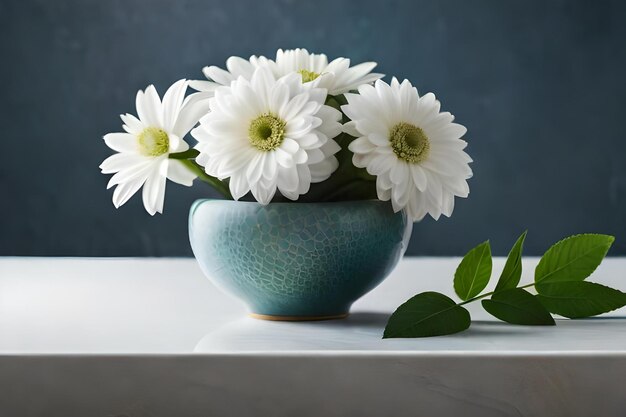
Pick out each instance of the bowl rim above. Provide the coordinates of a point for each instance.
(289, 203)
(321, 204)
(373, 200)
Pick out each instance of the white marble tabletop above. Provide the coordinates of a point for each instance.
(121, 333)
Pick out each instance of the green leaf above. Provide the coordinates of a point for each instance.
(474, 271)
(578, 299)
(572, 259)
(512, 271)
(518, 306)
(427, 314)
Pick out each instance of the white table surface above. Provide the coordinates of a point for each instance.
(153, 337)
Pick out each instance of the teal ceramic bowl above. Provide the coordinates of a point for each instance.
(297, 261)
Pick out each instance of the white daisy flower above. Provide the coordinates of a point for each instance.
(145, 146)
(268, 134)
(314, 69)
(338, 77)
(235, 67)
(414, 151)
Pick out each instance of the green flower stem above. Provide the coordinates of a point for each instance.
(218, 185)
(478, 297)
(188, 154)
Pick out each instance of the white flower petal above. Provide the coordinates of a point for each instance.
(330, 147)
(125, 191)
(351, 129)
(290, 146)
(121, 142)
(419, 177)
(361, 145)
(154, 192)
(218, 75)
(179, 173)
(301, 157)
(238, 186)
(204, 86)
(362, 160)
(330, 119)
(189, 115)
(132, 125)
(399, 173)
(229, 164)
(279, 97)
(301, 126)
(315, 156)
(264, 191)
(239, 67)
(435, 188)
(447, 205)
(177, 144)
(304, 174)
(288, 179)
(283, 158)
(308, 141)
(322, 170)
(120, 161)
(458, 188)
(384, 194)
(400, 194)
(294, 106)
(262, 83)
(378, 139)
(255, 168)
(172, 103)
(132, 173)
(270, 167)
(149, 107)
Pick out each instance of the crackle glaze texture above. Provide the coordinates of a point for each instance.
(297, 259)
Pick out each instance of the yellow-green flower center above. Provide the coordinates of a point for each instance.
(153, 141)
(409, 143)
(308, 76)
(267, 132)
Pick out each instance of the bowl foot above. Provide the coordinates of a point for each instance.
(297, 318)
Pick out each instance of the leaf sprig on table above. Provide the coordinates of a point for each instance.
(559, 284)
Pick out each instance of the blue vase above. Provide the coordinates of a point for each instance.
(297, 261)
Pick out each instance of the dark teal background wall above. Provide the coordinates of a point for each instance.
(540, 84)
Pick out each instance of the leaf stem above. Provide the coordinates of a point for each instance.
(478, 297)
